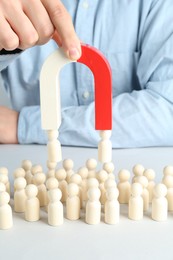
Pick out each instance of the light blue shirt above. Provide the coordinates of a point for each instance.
(136, 36)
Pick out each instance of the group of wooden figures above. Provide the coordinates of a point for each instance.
(65, 193)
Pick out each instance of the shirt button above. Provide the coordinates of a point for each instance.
(85, 4)
(86, 95)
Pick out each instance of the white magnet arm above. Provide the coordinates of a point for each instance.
(50, 103)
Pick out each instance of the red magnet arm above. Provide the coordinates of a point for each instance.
(101, 70)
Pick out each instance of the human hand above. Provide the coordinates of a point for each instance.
(25, 23)
(8, 126)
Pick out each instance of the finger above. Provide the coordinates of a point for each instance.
(8, 38)
(23, 27)
(39, 17)
(57, 38)
(64, 26)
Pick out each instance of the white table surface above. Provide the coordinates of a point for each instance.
(136, 240)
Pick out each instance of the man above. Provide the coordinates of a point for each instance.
(136, 37)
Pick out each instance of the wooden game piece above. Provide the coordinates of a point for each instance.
(36, 168)
(150, 175)
(68, 165)
(61, 175)
(93, 207)
(145, 193)
(76, 178)
(73, 202)
(105, 147)
(102, 177)
(19, 194)
(124, 186)
(91, 165)
(6, 219)
(83, 172)
(39, 180)
(159, 203)
(109, 168)
(55, 208)
(26, 165)
(136, 202)
(52, 183)
(32, 205)
(4, 170)
(112, 206)
(4, 179)
(19, 172)
(54, 146)
(168, 170)
(138, 170)
(168, 182)
(51, 169)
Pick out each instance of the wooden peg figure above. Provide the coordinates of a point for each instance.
(61, 175)
(54, 146)
(124, 186)
(55, 208)
(105, 147)
(136, 202)
(109, 168)
(93, 207)
(168, 181)
(4, 179)
(32, 206)
(19, 172)
(39, 180)
(68, 165)
(91, 165)
(76, 178)
(150, 175)
(26, 165)
(112, 206)
(73, 202)
(83, 172)
(4, 171)
(102, 177)
(168, 170)
(138, 170)
(6, 219)
(145, 193)
(19, 194)
(51, 184)
(159, 203)
(51, 169)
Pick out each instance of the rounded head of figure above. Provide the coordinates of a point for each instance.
(92, 183)
(54, 195)
(124, 175)
(31, 191)
(168, 170)
(68, 164)
(39, 178)
(4, 170)
(60, 174)
(112, 193)
(19, 172)
(4, 198)
(52, 183)
(149, 174)
(138, 169)
(93, 194)
(26, 165)
(72, 189)
(20, 183)
(102, 175)
(83, 172)
(2, 187)
(51, 165)
(36, 168)
(76, 178)
(136, 189)
(160, 190)
(168, 181)
(110, 183)
(105, 134)
(108, 167)
(91, 164)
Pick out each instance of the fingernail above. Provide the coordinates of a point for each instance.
(74, 54)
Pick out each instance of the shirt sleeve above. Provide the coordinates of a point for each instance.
(141, 118)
